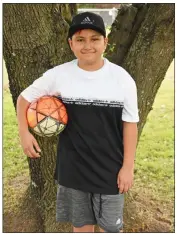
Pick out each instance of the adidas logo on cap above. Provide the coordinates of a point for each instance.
(87, 21)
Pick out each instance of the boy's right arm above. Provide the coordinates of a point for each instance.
(28, 142)
(44, 85)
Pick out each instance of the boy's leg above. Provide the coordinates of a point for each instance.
(85, 228)
(75, 206)
(101, 230)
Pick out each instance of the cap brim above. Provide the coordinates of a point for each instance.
(75, 28)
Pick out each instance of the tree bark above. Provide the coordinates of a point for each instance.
(142, 41)
(35, 40)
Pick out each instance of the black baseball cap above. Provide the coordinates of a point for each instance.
(87, 20)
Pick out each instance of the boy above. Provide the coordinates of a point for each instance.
(95, 156)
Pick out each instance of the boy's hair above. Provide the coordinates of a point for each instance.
(87, 20)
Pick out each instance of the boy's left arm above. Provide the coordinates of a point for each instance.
(126, 173)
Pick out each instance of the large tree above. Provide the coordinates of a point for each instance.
(35, 40)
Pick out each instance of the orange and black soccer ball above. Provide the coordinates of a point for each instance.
(47, 116)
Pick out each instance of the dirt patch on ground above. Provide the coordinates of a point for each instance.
(20, 212)
(145, 213)
(141, 214)
(21, 222)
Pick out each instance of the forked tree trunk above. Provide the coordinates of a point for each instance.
(141, 40)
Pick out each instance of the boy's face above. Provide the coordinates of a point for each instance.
(88, 45)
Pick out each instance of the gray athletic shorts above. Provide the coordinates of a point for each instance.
(82, 208)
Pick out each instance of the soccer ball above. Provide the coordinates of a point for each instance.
(47, 116)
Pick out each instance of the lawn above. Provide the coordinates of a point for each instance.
(155, 153)
(154, 160)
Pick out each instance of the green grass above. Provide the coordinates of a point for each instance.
(155, 153)
(5, 75)
(14, 161)
(85, 5)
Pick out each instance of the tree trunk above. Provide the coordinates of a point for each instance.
(141, 40)
(35, 38)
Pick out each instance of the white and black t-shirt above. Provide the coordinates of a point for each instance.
(90, 150)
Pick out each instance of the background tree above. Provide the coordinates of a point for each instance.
(35, 40)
